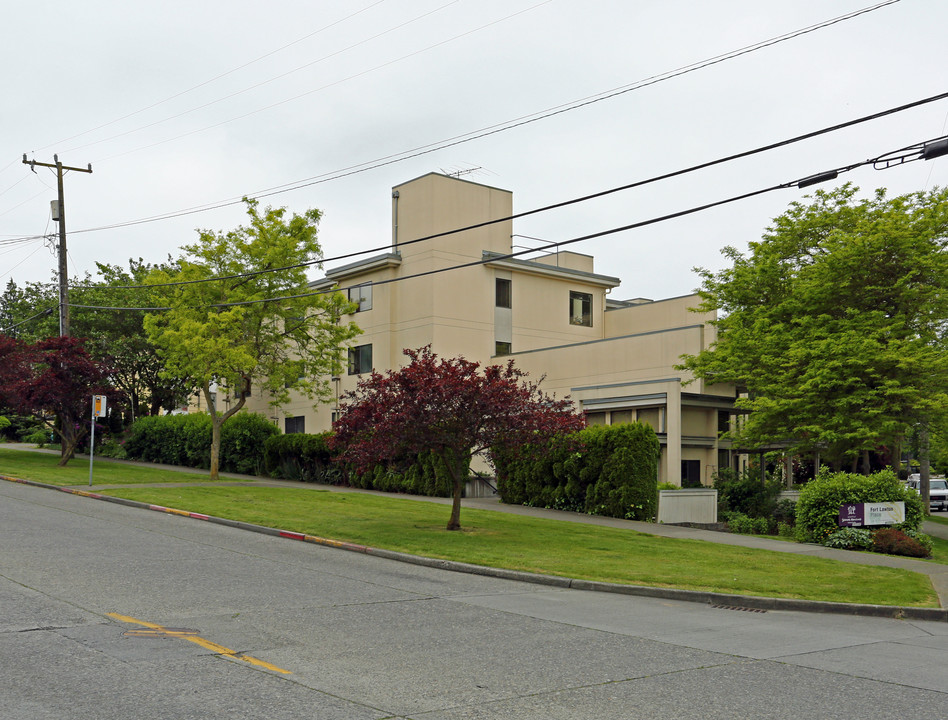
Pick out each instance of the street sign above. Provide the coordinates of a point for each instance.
(98, 410)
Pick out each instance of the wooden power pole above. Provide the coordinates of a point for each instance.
(63, 270)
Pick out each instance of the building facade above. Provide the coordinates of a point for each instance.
(464, 294)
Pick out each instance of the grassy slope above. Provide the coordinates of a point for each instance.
(548, 546)
(501, 540)
(42, 467)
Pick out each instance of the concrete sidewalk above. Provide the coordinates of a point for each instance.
(937, 572)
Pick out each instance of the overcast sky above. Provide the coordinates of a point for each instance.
(185, 104)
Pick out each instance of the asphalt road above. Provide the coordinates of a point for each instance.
(111, 612)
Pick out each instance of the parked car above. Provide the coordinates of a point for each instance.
(937, 491)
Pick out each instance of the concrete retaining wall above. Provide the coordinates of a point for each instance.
(692, 505)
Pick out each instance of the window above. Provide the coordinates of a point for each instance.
(295, 424)
(360, 359)
(503, 288)
(361, 295)
(651, 417)
(724, 421)
(580, 309)
(502, 348)
(690, 473)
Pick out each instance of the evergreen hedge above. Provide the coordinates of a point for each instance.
(424, 474)
(607, 470)
(301, 456)
(309, 458)
(186, 440)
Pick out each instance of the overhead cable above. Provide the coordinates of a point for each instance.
(799, 183)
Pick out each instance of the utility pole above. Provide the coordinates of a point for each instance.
(63, 270)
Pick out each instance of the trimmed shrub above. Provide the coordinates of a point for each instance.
(603, 470)
(171, 440)
(186, 440)
(742, 524)
(242, 443)
(425, 474)
(786, 530)
(820, 499)
(301, 456)
(893, 541)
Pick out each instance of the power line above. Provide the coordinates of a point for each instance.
(584, 198)
(42, 313)
(493, 129)
(940, 144)
(333, 84)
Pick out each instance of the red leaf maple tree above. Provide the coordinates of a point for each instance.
(450, 407)
(54, 378)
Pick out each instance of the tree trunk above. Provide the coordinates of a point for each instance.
(67, 445)
(455, 522)
(216, 423)
(453, 466)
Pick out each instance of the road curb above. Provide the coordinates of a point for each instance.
(743, 602)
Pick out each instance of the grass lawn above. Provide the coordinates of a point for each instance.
(499, 539)
(42, 467)
(547, 546)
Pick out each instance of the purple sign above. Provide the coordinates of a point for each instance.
(852, 515)
(871, 514)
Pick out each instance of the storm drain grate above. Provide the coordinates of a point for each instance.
(738, 607)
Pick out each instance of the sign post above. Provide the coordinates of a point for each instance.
(98, 410)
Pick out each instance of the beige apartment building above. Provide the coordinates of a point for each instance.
(465, 295)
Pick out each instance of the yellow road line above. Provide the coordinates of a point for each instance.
(198, 640)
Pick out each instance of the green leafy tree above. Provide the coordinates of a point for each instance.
(244, 318)
(30, 313)
(138, 369)
(834, 323)
(114, 336)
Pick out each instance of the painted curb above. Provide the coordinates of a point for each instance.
(752, 602)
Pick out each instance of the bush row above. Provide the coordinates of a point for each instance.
(186, 440)
(890, 540)
(424, 474)
(309, 458)
(602, 470)
(299, 456)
